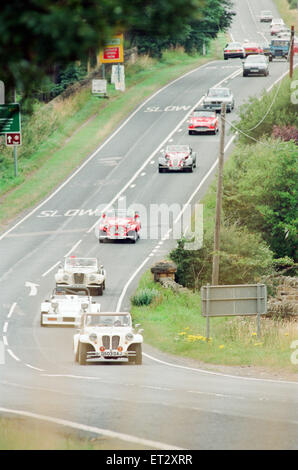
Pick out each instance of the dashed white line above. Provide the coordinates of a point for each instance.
(51, 268)
(5, 327)
(11, 310)
(5, 342)
(34, 368)
(72, 249)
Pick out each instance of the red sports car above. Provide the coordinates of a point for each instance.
(252, 48)
(203, 120)
(119, 225)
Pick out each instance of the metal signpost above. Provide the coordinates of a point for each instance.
(234, 300)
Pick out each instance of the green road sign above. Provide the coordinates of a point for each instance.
(10, 118)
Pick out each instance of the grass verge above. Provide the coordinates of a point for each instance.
(289, 16)
(59, 136)
(173, 323)
(24, 434)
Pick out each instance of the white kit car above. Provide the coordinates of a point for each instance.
(65, 307)
(107, 335)
(83, 272)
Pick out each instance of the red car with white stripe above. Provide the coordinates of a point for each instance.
(252, 48)
(201, 121)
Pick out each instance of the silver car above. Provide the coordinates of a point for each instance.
(266, 16)
(256, 65)
(216, 96)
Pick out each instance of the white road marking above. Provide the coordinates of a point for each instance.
(11, 310)
(5, 342)
(32, 287)
(13, 355)
(94, 430)
(143, 174)
(51, 268)
(219, 374)
(219, 395)
(128, 283)
(35, 368)
(72, 249)
(5, 327)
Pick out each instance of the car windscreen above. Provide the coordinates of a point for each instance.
(204, 114)
(177, 148)
(107, 320)
(218, 92)
(81, 263)
(255, 58)
(280, 43)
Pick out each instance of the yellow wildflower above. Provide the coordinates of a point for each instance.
(221, 346)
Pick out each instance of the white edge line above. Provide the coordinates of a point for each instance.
(34, 368)
(219, 373)
(50, 269)
(128, 283)
(72, 249)
(101, 147)
(13, 355)
(93, 429)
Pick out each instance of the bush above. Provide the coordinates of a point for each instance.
(144, 297)
(260, 192)
(286, 133)
(244, 258)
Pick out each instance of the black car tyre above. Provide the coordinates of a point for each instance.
(82, 354)
(100, 290)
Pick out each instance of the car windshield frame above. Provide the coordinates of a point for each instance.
(177, 149)
(219, 92)
(73, 262)
(204, 114)
(107, 320)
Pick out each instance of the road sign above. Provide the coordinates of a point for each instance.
(113, 50)
(234, 300)
(99, 87)
(13, 138)
(10, 118)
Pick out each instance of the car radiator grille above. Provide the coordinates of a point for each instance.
(78, 278)
(110, 342)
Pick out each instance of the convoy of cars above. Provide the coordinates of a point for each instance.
(111, 335)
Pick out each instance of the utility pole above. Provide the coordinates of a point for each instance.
(15, 150)
(292, 51)
(215, 266)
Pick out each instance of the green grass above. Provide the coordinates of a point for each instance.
(25, 434)
(173, 323)
(289, 16)
(60, 135)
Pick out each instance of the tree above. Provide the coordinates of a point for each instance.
(35, 34)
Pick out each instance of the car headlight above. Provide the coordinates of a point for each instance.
(93, 337)
(129, 337)
(65, 277)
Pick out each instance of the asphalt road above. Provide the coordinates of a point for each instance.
(165, 402)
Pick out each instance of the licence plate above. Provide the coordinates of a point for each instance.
(254, 70)
(111, 353)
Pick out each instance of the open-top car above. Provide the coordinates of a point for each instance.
(82, 272)
(119, 225)
(66, 306)
(216, 96)
(107, 336)
(177, 158)
(203, 120)
(256, 65)
(234, 50)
